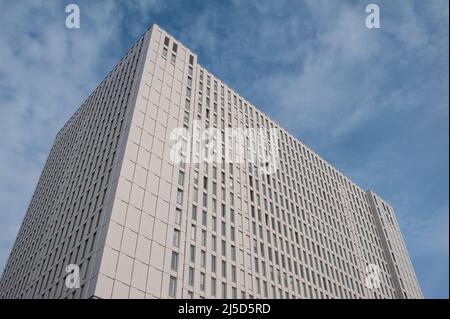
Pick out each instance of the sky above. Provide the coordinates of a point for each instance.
(373, 102)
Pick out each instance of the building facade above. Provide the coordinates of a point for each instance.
(113, 201)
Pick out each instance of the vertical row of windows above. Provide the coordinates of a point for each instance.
(175, 263)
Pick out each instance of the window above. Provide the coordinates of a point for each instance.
(191, 276)
(166, 41)
(214, 188)
(195, 177)
(195, 194)
(194, 213)
(164, 52)
(223, 229)
(172, 286)
(233, 253)
(202, 281)
(203, 239)
(178, 216)
(233, 273)
(214, 205)
(213, 264)
(213, 286)
(174, 261)
(224, 269)
(234, 292)
(193, 232)
(205, 199)
(213, 243)
(181, 178)
(224, 248)
(223, 205)
(203, 258)
(204, 218)
(192, 252)
(176, 238)
(179, 196)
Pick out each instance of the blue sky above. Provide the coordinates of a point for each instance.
(374, 103)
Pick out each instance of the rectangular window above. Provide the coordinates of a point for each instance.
(172, 286)
(233, 253)
(213, 243)
(213, 264)
(224, 248)
(191, 276)
(205, 199)
(181, 178)
(223, 229)
(194, 213)
(192, 253)
(214, 188)
(174, 261)
(203, 239)
(178, 216)
(224, 290)
(203, 258)
(204, 218)
(176, 238)
(233, 273)
(202, 281)
(224, 269)
(196, 178)
(195, 194)
(193, 232)
(213, 287)
(179, 196)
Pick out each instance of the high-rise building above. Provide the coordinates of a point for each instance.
(113, 202)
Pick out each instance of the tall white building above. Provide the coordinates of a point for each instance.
(112, 200)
